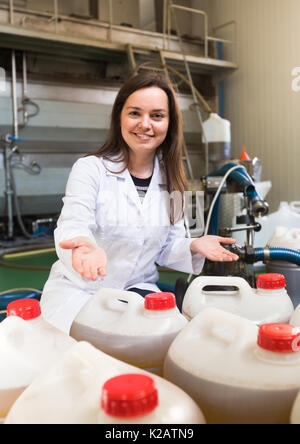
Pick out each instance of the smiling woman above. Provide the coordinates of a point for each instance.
(107, 236)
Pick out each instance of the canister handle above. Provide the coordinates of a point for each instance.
(231, 329)
(230, 281)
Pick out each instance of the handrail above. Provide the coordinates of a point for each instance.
(166, 21)
(196, 11)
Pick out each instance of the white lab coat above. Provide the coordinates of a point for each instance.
(103, 204)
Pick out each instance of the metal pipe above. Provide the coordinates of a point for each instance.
(111, 19)
(165, 9)
(8, 192)
(24, 90)
(14, 94)
(56, 16)
(11, 12)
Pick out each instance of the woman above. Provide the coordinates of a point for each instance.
(121, 213)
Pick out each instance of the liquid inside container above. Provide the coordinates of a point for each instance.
(128, 327)
(238, 372)
(28, 346)
(85, 394)
(270, 302)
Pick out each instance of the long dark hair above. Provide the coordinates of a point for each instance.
(170, 150)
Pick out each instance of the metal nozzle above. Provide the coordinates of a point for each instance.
(260, 208)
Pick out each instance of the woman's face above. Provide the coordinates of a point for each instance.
(145, 119)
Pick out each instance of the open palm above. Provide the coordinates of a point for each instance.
(88, 259)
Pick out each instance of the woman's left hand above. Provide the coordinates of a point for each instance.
(211, 248)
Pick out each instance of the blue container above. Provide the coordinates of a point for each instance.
(8, 298)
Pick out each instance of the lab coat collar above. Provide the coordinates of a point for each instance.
(114, 168)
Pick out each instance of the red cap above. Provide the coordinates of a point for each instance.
(245, 155)
(280, 338)
(160, 301)
(271, 281)
(129, 395)
(26, 309)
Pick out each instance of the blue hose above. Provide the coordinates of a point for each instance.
(279, 254)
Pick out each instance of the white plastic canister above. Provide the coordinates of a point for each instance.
(28, 345)
(238, 372)
(218, 136)
(128, 327)
(287, 215)
(85, 391)
(287, 238)
(268, 303)
(295, 318)
(295, 415)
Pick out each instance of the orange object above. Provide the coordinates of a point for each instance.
(244, 155)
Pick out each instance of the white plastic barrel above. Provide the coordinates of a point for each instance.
(270, 302)
(128, 327)
(238, 372)
(28, 346)
(80, 389)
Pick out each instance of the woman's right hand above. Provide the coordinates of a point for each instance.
(88, 259)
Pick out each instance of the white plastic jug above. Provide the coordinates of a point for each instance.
(268, 303)
(238, 372)
(28, 345)
(295, 414)
(295, 318)
(217, 129)
(287, 215)
(83, 392)
(138, 332)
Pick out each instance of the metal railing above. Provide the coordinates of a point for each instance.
(168, 8)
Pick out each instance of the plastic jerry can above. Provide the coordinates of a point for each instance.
(268, 303)
(286, 238)
(238, 372)
(91, 387)
(128, 327)
(295, 318)
(28, 345)
(295, 414)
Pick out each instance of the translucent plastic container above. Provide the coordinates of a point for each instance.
(137, 331)
(295, 318)
(287, 215)
(28, 346)
(85, 393)
(270, 302)
(287, 238)
(295, 414)
(238, 372)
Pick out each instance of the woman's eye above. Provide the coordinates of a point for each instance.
(158, 116)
